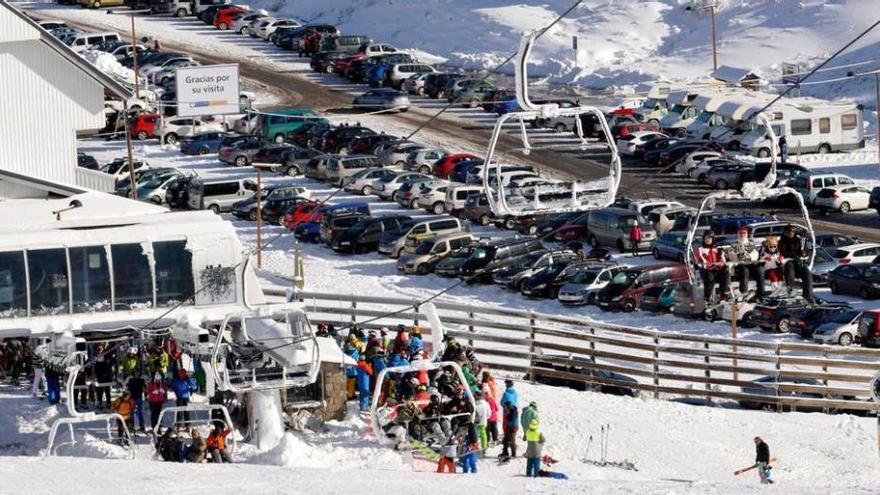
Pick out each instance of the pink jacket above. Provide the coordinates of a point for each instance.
(493, 410)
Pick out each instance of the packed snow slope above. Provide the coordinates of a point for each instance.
(619, 41)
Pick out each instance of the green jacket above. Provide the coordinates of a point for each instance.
(529, 413)
(159, 362)
(129, 364)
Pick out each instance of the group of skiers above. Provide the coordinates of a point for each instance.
(172, 447)
(775, 261)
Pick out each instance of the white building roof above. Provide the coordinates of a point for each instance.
(730, 74)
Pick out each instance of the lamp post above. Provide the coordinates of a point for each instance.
(713, 9)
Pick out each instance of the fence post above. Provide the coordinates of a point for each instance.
(416, 315)
(532, 324)
(776, 383)
(471, 328)
(354, 306)
(656, 367)
(825, 372)
(593, 345)
(708, 374)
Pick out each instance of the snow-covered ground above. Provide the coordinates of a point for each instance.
(675, 448)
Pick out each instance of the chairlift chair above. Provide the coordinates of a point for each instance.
(189, 416)
(578, 196)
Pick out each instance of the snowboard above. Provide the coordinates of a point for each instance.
(753, 466)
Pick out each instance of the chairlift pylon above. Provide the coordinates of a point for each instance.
(561, 197)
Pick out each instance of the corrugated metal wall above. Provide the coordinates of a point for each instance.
(12, 28)
(44, 100)
(95, 180)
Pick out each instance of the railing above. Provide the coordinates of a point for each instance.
(541, 347)
(95, 180)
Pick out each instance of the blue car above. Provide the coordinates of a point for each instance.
(308, 232)
(202, 144)
(460, 170)
(508, 105)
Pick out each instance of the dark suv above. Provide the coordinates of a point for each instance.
(364, 235)
(337, 140)
(778, 313)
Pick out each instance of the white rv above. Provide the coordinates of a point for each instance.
(809, 126)
(737, 123)
(681, 113)
(709, 118)
(654, 107)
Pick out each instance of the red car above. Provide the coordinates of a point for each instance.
(302, 212)
(574, 230)
(226, 16)
(341, 66)
(443, 167)
(143, 125)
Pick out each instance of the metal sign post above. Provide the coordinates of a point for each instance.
(875, 394)
(574, 46)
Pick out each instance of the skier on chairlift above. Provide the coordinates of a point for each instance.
(713, 267)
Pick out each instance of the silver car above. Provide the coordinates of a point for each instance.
(841, 328)
(586, 282)
(386, 187)
(422, 159)
(382, 99)
(396, 154)
(363, 181)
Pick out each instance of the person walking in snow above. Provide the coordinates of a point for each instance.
(136, 387)
(483, 411)
(492, 426)
(783, 148)
(762, 461)
(635, 238)
(364, 370)
(535, 444)
(157, 394)
(124, 406)
(183, 387)
(510, 395)
(510, 427)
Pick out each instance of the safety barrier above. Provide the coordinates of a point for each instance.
(542, 347)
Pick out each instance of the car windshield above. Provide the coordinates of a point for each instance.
(584, 277)
(839, 254)
(624, 278)
(678, 109)
(822, 256)
(480, 252)
(844, 316)
(705, 117)
(425, 247)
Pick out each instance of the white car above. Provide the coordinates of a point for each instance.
(163, 75)
(627, 144)
(374, 49)
(362, 182)
(690, 163)
(387, 187)
(169, 130)
(267, 27)
(432, 196)
(119, 168)
(843, 198)
(241, 24)
(171, 63)
(856, 253)
(397, 154)
(646, 206)
(422, 160)
(701, 171)
(841, 329)
(246, 124)
(583, 286)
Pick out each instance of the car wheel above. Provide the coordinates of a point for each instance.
(845, 338)
(439, 208)
(328, 69)
(279, 138)
(400, 164)
(422, 269)
(844, 207)
(156, 200)
(171, 139)
(832, 286)
(424, 169)
(655, 253)
(824, 148)
(414, 204)
(691, 171)
(509, 223)
(293, 171)
(180, 13)
(366, 190)
(682, 133)
(394, 196)
(215, 209)
(864, 293)
(243, 30)
(711, 314)
(204, 151)
(484, 219)
(764, 153)
(142, 135)
(747, 320)
(222, 26)
(252, 215)
(721, 184)
(629, 306)
(241, 161)
(96, 5)
(654, 123)
(420, 91)
(560, 127)
(532, 230)
(783, 325)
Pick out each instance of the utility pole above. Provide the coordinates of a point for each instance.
(137, 89)
(712, 8)
(877, 102)
(259, 220)
(131, 178)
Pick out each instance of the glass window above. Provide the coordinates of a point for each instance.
(849, 121)
(131, 277)
(800, 127)
(174, 277)
(48, 274)
(13, 285)
(824, 125)
(90, 276)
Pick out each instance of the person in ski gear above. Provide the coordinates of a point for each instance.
(198, 451)
(169, 446)
(458, 404)
(492, 426)
(509, 396)
(157, 394)
(136, 387)
(351, 349)
(183, 387)
(747, 267)
(762, 460)
(37, 367)
(130, 362)
(415, 342)
(364, 370)
(449, 451)
(53, 386)
(158, 361)
(713, 267)
(397, 359)
(216, 444)
(772, 260)
(783, 147)
(104, 376)
(792, 248)
(468, 459)
(401, 340)
(488, 386)
(635, 237)
(529, 413)
(483, 411)
(124, 406)
(510, 428)
(535, 444)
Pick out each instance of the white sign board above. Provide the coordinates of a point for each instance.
(207, 90)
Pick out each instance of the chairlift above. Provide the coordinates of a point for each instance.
(190, 416)
(259, 352)
(382, 414)
(560, 197)
(751, 192)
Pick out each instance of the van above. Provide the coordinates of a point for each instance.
(83, 41)
(611, 226)
(365, 234)
(456, 197)
(274, 126)
(339, 168)
(626, 287)
(316, 168)
(335, 222)
(496, 253)
(431, 250)
(346, 44)
(809, 126)
(809, 185)
(400, 72)
(410, 235)
(682, 114)
(218, 194)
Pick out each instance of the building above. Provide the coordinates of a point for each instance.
(58, 92)
(734, 76)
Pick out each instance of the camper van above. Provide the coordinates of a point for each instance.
(737, 113)
(709, 117)
(219, 195)
(681, 114)
(655, 106)
(809, 126)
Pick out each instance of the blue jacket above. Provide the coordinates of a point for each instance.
(183, 388)
(363, 381)
(351, 371)
(510, 397)
(379, 364)
(397, 360)
(415, 345)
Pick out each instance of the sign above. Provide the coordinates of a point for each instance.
(574, 42)
(791, 74)
(207, 90)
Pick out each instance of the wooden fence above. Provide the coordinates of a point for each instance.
(670, 365)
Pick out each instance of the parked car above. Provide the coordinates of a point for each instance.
(398, 73)
(274, 209)
(585, 283)
(432, 196)
(362, 182)
(170, 130)
(218, 194)
(860, 279)
(856, 253)
(143, 126)
(469, 92)
(809, 184)
(456, 198)
(843, 198)
(543, 283)
(294, 159)
(334, 223)
(451, 264)
(823, 263)
(477, 209)
(807, 321)
(388, 187)
(626, 287)
(382, 99)
(611, 226)
(776, 313)
(395, 153)
(767, 386)
(512, 273)
(202, 143)
(247, 208)
(828, 239)
(240, 154)
(364, 235)
(431, 250)
(477, 268)
(340, 167)
(841, 328)
(874, 200)
(621, 382)
(421, 160)
(225, 16)
(177, 192)
(869, 328)
(337, 140)
(393, 243)
(658, 299)
(444, 165)
(670, 246)
(86, 161)
(628, 145)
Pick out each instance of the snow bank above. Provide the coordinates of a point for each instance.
(108, 64)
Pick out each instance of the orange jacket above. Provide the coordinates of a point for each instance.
(123, 407)
(217, 439)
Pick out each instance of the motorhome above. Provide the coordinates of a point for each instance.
(682, 112)
(809, 126)
(709, 118)
(737, 114)
(655, 106)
